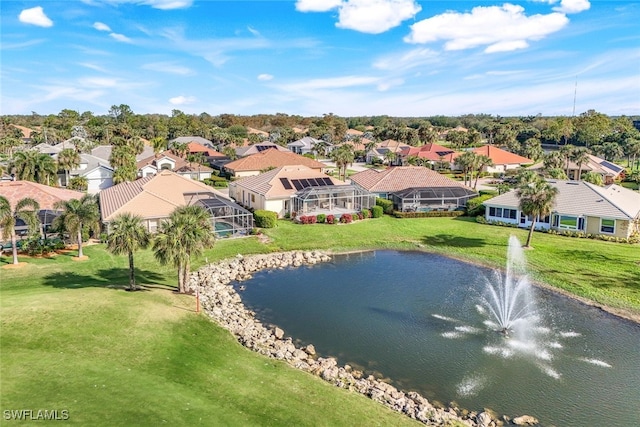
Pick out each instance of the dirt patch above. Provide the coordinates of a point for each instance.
(80, 258)
(18, 265)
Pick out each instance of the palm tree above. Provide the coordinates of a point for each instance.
(480, 163)
(186, 233)
(593, 178)
(536, 200)
(566, 152)
(26, 210)
(180, 148)
(68, 159)
(159, 144)
(78, 215)
(127, 236)
(343, 156)
(580, 156)
(465, 162)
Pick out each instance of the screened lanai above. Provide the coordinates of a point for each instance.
(228, 218)
(331, 199)
(423, 199)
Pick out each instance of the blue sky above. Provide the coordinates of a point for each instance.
(311, 57)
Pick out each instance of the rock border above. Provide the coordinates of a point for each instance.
(220, 301)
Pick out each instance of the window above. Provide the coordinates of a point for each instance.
(492, 211)
(545, 220)
(570, 222)
(253, 198)
(607, 226)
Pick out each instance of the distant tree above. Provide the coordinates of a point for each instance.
(593, 178)
(126, 237)
(79, 183)
(481, 162)
(26, 210)
(536, 199)
(78, 215)
(466, 162)
(343, 156)
(580, 156)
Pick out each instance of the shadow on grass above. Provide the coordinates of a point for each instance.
(454, 241)
(115, 278)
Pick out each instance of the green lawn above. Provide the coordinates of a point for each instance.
(72, 338)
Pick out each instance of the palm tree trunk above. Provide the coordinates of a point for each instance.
(185, 279)
(14, 247)
(132, 276)
(533, 225)
(180, 278)
(80, 241)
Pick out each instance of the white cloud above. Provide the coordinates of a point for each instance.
(330, 83)
(168, 67)
(101, 27)
(120, 37)
(317, 5)
(500, 28)
(98, 82)
(407, 60)
(253, 31)
(572, 6)
(182, 100)
(366, 16)
(35, 16)
(167, 4)
(265, 77)
(92, 66)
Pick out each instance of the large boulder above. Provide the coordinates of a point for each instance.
(525, 420)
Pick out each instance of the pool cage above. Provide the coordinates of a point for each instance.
(424, 199)
(332, 199)
(228, 218)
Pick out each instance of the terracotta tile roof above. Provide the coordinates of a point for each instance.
(431, 152)
(26, 132)
(194, 147)
(500, 156)
(400, 178)
(272, 158)
(180, 163)
(187, 139)
(269, 184)
(247, 150)
(251, 130)
(45, 195)
(354, 132)
(154, 196)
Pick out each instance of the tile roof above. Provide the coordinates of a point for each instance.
(269, 184)
(306, 142)
(582, 198)
(433, 152)
(154, 196)
(593, 164)
(401, 177)
(180, 163)
(251, 130)
(500, 156)
(26, 132)
(272, 158)
(45, 195)
(194, 147)
(257, 148)
(198, 139)
(104, 152)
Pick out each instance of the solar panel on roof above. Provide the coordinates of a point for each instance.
(261, 148)
(286, 184)
(304, 182)
(611, 166)
(327, 181)
(296, 183)
(314, 182)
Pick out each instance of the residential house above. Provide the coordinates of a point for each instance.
(97, 171)
(307, 145)
(209, 154)
(25, 131)
(248, 150)
(437, 156)
(502, 160)
(169, 161)
(580, 206)
(187, 139)
(380, 151)
(262, 134)
(414, 188)
(269, 159)
(299, 190)
(104, 152)
(45, 195)
(154, 197)
(609, 171)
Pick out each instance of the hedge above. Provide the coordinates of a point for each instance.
(429, 214)
(386, 205)
(376, 211)
(265, 219)
(475, 206)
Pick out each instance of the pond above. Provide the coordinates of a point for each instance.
(412, 317)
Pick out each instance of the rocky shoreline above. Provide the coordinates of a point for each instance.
(221, 302)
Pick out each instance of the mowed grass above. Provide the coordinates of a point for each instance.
(72, 338)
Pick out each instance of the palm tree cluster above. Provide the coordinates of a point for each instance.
(25, 210)
(472, 163)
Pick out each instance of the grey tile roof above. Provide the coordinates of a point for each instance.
(582, 198)
(400, 178)
(188, 139)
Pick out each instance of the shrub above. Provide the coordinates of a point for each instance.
(307, 219)
(387, 205)
(221, 184)
(428, 214)
(360, 216)
(264, 218)
(346, 218)
(331, 219)
(366, 213)
(475, 206)
(488, 192)
(321, 218)
(376, 211)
